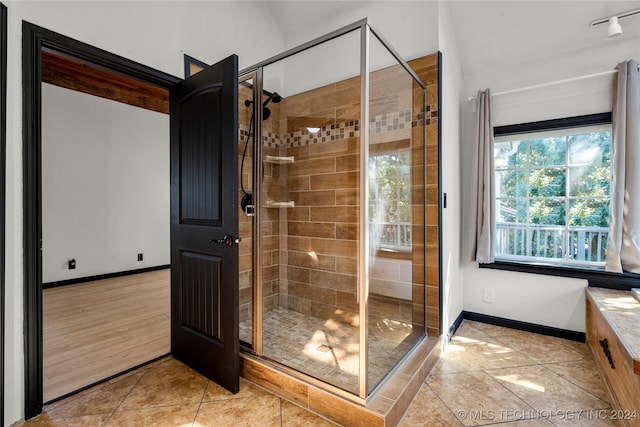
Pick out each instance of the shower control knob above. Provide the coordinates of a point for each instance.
(227, 240)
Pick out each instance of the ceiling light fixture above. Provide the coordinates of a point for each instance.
(313, 130)
(614, 29)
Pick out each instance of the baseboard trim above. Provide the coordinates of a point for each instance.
(64, 396)
(524, 326)
(454, 327)
(102, 276)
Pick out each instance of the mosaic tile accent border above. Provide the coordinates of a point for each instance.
(389, 122)
(378, 124)
(269, 139)
(338, 131)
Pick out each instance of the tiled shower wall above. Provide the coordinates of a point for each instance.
(427, 69)
(310, 251)
(271, 223)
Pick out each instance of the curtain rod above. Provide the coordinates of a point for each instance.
(572, 79)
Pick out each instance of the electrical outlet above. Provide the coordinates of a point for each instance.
(487, 295)
(139, 257)
(72, 264)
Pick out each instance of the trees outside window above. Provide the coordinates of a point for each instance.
(389, 200)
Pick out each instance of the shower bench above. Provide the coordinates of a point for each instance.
(613, 336)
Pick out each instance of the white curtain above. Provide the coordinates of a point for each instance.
(623, 246)
(483, 219)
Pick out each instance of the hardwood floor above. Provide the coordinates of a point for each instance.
(97, 329)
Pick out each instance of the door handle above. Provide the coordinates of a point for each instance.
(227, 240)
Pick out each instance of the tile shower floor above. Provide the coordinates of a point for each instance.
(488, 376)
(328, 350)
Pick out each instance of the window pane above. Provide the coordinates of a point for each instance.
(547, 151)
(548, 242)
(510, 154)
(512, 210)
(547, 211)
(404, 212)
(511, 183)
(590, 148)
(547, 182)
(589, 180)
(390, 199)
(589, 212)
(589, 245)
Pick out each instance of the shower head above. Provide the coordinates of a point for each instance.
(266, 112)
(274, 97)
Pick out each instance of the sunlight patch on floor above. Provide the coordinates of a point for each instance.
(517, 380)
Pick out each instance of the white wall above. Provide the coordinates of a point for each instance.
(544, 300)
(153, 33)
(452, 280)
(105, 185)
(410, 27)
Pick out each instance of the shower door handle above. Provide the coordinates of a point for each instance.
(227, 240)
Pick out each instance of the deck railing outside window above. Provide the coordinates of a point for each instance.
(551, 243)
(391, 235)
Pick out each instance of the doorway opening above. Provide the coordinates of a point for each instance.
(38, 46)
(105, 250)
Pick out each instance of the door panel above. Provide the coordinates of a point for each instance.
(204, 186)
(200, 163)
(200, 295)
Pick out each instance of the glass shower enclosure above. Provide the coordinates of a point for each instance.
(332, 268)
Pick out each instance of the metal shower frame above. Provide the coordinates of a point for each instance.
(255, 72)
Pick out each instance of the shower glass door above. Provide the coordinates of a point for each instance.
(311, 214)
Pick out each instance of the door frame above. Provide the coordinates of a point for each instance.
(3, 162)
(34, 40)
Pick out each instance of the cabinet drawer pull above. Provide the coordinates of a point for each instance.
(604, 343)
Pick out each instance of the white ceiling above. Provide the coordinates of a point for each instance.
(490, 32)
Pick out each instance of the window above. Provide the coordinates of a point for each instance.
(552, 192)
(389, 200)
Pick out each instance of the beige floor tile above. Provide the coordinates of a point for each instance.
(545, 390)
(475, 398)
(261, 411)
(465, 354)
(469, 330)
(295, 416)
(544, 349)
(104, 400)
(491, 330)
(428, 410)
(584, 374)
(455, 358)
(84, 421)
(247, 389)
(588, 418)
(166, 416)
(169, 384)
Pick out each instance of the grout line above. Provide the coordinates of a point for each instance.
(126, 396)
(441, 401)
(204, 393)
(515, 395)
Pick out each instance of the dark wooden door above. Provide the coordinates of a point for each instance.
(204, 222)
